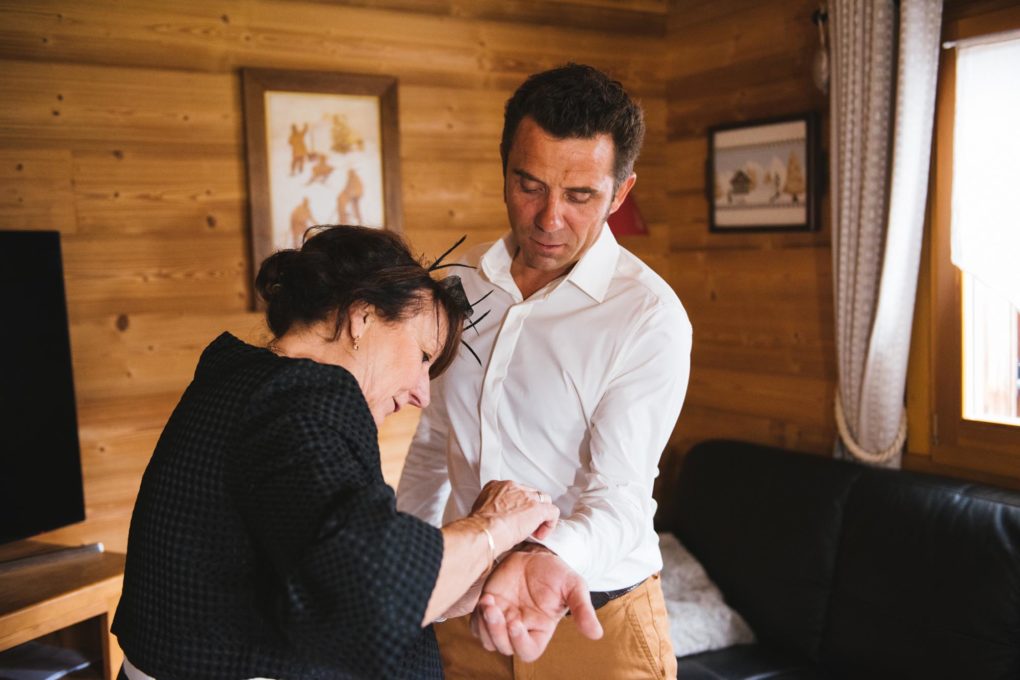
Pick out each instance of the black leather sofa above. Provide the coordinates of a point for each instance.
(846, 571)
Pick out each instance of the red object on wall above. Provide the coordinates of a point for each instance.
(627, 221)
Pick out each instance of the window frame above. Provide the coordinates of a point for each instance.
(950, 439)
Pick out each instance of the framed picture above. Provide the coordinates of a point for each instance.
(323, 148)
(763, 175)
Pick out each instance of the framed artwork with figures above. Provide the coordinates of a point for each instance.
(764, 175)
(322, 148)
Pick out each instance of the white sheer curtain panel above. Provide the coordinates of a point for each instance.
(879, 181)
(986, 165)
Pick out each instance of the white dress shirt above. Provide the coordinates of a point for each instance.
(579, 389)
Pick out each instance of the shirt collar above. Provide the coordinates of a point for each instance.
(592, 273)
(496, 263)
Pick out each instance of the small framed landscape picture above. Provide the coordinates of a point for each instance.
(763, 175)
(322, 148)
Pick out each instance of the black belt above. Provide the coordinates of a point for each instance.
(601, 599)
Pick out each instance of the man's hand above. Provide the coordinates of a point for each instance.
(525, 598)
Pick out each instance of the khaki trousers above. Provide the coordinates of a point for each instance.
(635, 646)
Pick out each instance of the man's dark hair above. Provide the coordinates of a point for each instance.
(578, 101)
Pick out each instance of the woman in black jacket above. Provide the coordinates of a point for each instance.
(264, 541)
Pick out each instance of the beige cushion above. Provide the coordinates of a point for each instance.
(699, 618)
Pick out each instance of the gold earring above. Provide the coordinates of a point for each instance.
(356, 347)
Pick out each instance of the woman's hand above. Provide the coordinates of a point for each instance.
(514, 512)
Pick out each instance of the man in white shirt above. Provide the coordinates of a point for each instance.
(585, 358)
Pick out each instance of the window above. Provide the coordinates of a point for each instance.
(970, 289)
(989, 353)
(984, 224)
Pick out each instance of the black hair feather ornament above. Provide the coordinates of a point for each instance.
(455, 288)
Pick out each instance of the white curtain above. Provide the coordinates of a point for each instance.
(986, 165)
(879, 168)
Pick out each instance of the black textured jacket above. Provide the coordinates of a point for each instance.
(265, 543)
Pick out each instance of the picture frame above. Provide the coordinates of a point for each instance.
(763, 175)
(322, 148)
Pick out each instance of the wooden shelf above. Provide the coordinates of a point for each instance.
(40, 599)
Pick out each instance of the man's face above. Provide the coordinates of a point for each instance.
(558, 193)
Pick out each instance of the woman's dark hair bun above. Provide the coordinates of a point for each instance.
(338, 266)
(269, 281)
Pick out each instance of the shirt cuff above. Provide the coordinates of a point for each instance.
(570, 546)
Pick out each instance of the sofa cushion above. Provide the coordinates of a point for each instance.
(699, 619)
(744, 662)
(765, 524)
(927, 581)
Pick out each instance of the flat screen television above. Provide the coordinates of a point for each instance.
(40, 460)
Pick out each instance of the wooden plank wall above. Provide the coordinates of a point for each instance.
(121, 126)
(763, 367)
(763, 364)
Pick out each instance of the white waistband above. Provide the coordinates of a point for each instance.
(135, 674)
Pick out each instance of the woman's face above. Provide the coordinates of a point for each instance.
(395, 360)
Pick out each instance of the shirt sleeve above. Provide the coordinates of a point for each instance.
(344, 576)
(424, 486)
(629, 429)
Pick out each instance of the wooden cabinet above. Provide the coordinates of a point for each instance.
(43, 598)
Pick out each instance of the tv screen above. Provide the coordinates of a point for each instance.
(40, 462)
